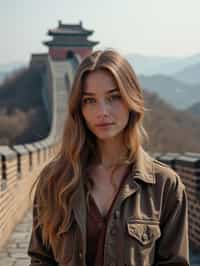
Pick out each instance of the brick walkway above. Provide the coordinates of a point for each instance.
(15, 252)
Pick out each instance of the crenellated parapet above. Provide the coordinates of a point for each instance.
(19, 166)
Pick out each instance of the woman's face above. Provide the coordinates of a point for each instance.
(105, 112)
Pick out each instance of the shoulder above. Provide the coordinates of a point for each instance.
(172, 193)
(168, 178)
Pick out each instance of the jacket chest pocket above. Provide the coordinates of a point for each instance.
(141, 241)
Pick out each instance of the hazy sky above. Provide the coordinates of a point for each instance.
(149, 27)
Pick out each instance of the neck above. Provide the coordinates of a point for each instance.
(110, 151)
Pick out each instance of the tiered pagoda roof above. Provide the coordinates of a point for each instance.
(70, 35)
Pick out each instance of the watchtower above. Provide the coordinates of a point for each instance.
(69, 39)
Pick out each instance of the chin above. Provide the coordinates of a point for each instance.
(105, 136)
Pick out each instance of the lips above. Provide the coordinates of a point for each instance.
(104, 124)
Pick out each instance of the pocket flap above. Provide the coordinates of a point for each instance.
(145, 233)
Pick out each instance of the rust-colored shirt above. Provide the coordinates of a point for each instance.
(96, 230)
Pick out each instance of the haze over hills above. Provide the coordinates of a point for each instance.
(175, 79)
(7, 69)
(150, 65)
(177, 93)
(190, 74)
(11, 66)
(2, 76)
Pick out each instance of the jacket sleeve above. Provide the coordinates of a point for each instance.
(39, 254)
(172, 247)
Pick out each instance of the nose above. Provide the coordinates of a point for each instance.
(102, 109)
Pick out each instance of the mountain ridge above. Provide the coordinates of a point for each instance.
(150, 65)
(173, 91)
(190, 74)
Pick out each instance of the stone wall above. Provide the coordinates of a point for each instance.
(19, 167)
(21, 164)
(188, 167)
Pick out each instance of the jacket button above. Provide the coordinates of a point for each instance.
(145, 236)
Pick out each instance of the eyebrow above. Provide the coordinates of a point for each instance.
(108, 92)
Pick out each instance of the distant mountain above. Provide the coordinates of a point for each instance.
(7, 69)
(175, 92)
(195, 109)
(2, 76)
(150, 65)
(190, 74)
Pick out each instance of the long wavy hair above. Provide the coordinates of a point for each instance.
(58, 182)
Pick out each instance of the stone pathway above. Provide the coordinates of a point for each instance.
(15, 252)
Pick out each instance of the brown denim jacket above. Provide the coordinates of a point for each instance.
(148, 226)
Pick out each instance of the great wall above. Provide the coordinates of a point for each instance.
(21, 164)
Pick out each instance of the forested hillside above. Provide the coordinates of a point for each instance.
(22, 115)
(170, 130)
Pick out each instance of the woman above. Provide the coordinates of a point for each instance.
(103, 200)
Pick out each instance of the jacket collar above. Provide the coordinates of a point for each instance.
(148, 177)
(143, 168)
(131, 184)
